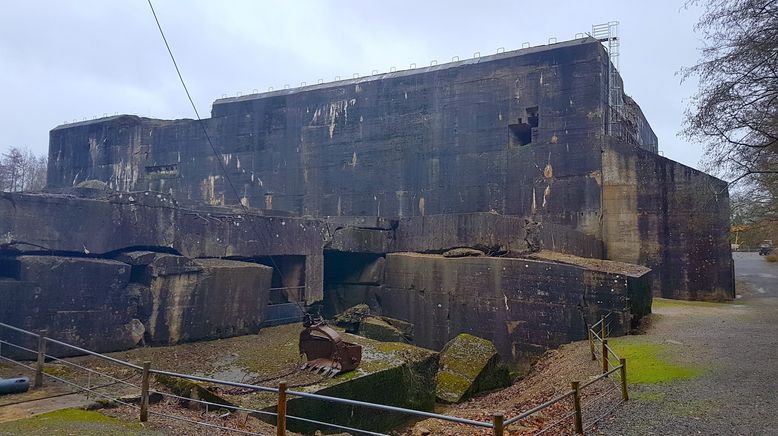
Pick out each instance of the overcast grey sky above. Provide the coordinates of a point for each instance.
(66, 60)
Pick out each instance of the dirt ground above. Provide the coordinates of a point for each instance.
(550, 377)
(733, 348)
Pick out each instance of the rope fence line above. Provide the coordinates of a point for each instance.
(112, 398)
(498, 423)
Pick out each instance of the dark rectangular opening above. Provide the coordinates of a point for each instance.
(351, 279)
(520, 133)
(532, 116)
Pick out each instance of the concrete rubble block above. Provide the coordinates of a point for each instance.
(81, 301)
(217, 299)
(359, 320)
(404, 327)
(351, 318)
(191, 390)
(469, 365)
(463, 252)
(394, 374)
(377, 329)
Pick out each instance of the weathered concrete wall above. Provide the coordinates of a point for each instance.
(523, 306)
(437, 140)
(184, 300)
(81, 301)
(439, 233)
(107, 305)
(148, 219)
(671, 218)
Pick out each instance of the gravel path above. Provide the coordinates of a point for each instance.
(736, 346)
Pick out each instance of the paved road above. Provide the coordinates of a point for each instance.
(736, 346)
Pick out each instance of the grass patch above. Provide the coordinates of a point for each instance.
(645, 364)
(57, 370)
(72, 422)
(659, 303)
(771, 257)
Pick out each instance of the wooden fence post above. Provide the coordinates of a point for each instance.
(281, 409)
(591, 343)
(41, 359)
(498, 424)
(144, 392)
(624, 393)
(604, 356)
(577, 404)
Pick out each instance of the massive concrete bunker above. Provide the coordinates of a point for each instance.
(357, 188)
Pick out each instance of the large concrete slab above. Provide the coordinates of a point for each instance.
(523, 306)
(82, 301)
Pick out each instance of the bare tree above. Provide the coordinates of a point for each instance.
(735, 111)
(22, 170)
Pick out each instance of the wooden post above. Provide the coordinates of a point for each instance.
(281, 409)
(624, 393)
(498, 424)
(604, 356)
(577, 405)
(41, 359)
(591, 344)
(144, 392)
(603, 331)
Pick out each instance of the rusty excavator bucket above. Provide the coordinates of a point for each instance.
(326, 352)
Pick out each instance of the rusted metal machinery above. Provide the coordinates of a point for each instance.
(325, 350)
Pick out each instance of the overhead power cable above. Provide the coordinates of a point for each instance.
(216, 153)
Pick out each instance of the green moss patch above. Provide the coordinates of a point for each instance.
(646, 364)
(469, 365)
(57, 370)
(662, 303)
(72, 422)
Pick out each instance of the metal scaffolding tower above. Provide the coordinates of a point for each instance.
(608, 34)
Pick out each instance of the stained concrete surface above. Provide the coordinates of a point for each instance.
(520, 133)
(735, 346)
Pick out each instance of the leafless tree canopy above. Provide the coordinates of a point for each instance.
(735, 110)
(22, 170)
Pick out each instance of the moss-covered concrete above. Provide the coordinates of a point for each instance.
(392, 373)
(380, 330)
(69, 422)
(190, 389)
(469, 365)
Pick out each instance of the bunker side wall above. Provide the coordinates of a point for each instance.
(668, 217)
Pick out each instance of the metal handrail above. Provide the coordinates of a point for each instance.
(350, 402)
(392, 409)
(600, 377)
(601, 319)
(540, 407)
(265, 388)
